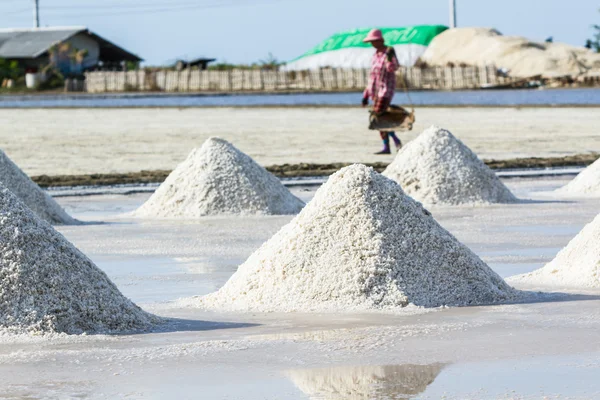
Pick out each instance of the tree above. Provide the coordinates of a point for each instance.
(9, 70)
(271, 63)
(595, 41)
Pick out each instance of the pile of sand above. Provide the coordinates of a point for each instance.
(12, 177)
(587, 182)
(521, 57)
(437, 168)
(577, 265)
(367, 382)
(48, 286)
(360, 244)
(219, 179)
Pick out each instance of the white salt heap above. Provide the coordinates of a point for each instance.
(48, 286)
(437, 168)
(219, 179)
(520, 56)
(577, 265)
(360, 244)
(12, 177)
(587, 182)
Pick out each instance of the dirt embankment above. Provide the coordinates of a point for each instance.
(296, 171)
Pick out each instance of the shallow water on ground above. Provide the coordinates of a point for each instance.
(589, 96)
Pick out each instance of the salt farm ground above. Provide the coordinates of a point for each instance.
(87, 141)
(521, 351)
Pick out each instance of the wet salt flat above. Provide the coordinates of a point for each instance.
(531, 350)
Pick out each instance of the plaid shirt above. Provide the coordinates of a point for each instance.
(382, 84)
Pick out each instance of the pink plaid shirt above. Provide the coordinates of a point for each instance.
(382, 84)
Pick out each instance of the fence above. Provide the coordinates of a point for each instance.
(326, 79)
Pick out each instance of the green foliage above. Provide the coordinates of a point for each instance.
(595, 41)
(132, 65)
(269, 63)
(10, 70)
(54, 80)
(224, 66)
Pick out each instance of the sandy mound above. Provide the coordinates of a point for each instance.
(360, 244)
(368, 382)
(586, 182)
(577, 265)
(31, 194)
(47, 285)
(219, 179)
(521, 57)
(437, 168)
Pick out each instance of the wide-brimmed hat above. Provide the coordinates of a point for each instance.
(374, 35)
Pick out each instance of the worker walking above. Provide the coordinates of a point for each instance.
(382, 83)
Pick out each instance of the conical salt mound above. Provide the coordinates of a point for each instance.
(577, 265)
(360, 244)
(48, 286)
(218, 179)
(586, 182)
(12, 177)
(437, 168)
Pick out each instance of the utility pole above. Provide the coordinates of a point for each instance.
(36, 14)
(452, 13)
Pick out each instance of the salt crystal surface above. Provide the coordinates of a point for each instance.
(48, 286)
(577, 265)
(586, 182)
(360, 244)
(34, 197)
(437, 168)
(219, 179)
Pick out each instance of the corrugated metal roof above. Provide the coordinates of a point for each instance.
(34, 42)
(31, 43)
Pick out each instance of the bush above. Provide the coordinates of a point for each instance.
(10, 70)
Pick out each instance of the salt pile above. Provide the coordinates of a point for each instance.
(48, 286)
(12, 177)
(520, 56)
(360, 244)
(437, 168)
(219, 179)
(586, 182)
(366, 382)
(577, 265)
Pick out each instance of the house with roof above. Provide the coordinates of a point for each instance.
(33, 48)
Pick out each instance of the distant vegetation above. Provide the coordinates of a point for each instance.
(594, 42)
(269, 63)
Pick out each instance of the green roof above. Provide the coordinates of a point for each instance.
(419, 34)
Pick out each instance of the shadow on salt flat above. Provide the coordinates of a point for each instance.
(539, 201)
(533, 297)
(172, 325)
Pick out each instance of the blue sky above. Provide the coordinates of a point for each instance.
(247, 30)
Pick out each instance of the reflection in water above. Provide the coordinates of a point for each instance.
(367, 382)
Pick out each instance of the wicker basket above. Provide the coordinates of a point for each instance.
(395, 118)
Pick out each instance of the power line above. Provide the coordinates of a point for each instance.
(120, 6)
(148, 9)
(22, 10)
